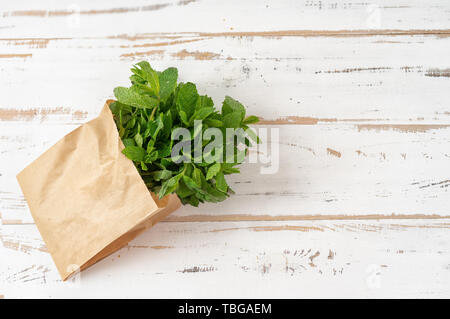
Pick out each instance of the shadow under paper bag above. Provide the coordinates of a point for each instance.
(87, 198)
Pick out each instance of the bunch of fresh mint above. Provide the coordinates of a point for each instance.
(153, 108)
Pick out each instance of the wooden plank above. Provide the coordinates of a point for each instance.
(373, 80)
(258, 259)
(87, 18)
(324, 169)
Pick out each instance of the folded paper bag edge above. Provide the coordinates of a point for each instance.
(142, 213)
(166, 205)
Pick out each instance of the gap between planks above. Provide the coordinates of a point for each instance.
(247, 217)
(266, 34)
(75, 116)
(194, 36)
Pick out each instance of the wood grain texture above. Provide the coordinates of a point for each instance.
(358, 91)
(357, 79)
(260, 259)
(332, 169)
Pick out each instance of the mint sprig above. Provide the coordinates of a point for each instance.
(146, 115)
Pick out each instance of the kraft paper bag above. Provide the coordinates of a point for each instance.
(87, 199)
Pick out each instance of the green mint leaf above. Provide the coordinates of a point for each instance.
(135, 153)
(193, 201)
(169, 186)
(131, 123)
(131, 97)
(167, 124)
(149, 158)
(149, 75)
(136, 79)
(221, 183)
(232, 120)
(184, 118)
(168, 82)
(251, 120)
(201, 114)
(231, 105)
(165, 149)
(138, 139)
(197, 176)
(118, 108)
(183, 191)
(213, 122)
(155, 126)
(128, 142)
(212, 171)
(187, 98)
(231, 170)
(204, 101)
(161, 175)
(191, 183)
(217, 196)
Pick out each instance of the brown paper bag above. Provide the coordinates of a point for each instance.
(87, 199)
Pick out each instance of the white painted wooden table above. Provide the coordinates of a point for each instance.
(360, 91)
